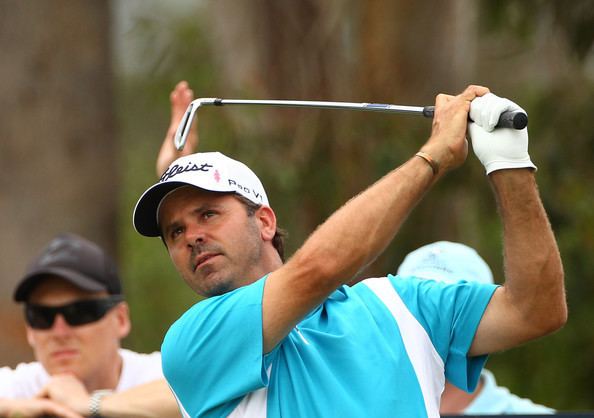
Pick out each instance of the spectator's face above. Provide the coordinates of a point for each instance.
(214, 244)
(89, 351)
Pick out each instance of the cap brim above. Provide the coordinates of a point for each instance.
(145, 212)
(21, 293)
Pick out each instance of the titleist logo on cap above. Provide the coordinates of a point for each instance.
(176, 169)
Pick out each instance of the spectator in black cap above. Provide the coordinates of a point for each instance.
(76, 317)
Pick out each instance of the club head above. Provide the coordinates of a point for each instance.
(183, 129)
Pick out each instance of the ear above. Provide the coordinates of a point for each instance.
(267, 220)
(122, 312)
(30, 336)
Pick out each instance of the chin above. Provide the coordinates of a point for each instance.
(214, 287)
(63, 369)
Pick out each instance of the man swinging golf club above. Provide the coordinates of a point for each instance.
(290, 339)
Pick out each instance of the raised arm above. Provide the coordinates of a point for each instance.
(359, 231)
(531, 303)
(180, 99)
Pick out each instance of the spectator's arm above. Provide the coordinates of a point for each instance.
(30, 408)
(153, 399)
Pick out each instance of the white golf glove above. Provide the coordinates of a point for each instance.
(501, 148)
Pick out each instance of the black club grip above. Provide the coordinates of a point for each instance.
(511, 119)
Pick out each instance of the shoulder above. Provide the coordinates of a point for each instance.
(439, 307)
(215, 313)
(139, 368)
(433, 292)
(24, 381)
(129, 356)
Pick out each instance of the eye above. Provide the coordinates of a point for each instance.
(208, 214)
(176, 232)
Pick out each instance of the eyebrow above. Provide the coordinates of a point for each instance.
(197, 210)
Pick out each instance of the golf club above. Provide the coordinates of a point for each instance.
(516, 120)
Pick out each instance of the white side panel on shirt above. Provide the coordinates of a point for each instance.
(180, 406)
(253, 405)
(425, 360)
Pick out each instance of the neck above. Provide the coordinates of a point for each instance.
(270, 262)
(455, 401)
(106, 377)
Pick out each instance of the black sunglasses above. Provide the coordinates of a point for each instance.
(76, 313)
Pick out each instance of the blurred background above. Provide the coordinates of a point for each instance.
(85, 105)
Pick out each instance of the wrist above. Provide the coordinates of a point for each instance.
(439, 154)
(498, 165)
(433, 163)
(94, 405)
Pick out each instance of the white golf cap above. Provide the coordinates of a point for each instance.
(447, 262)
(210, 171)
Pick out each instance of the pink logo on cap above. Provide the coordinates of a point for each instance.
(217, 176)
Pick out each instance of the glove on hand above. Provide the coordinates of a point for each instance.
(500, 148)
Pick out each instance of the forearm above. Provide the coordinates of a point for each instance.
(35, 408)
(533, 269)
(152, 399)
(4, 407)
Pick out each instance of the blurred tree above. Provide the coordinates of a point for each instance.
(58, 155)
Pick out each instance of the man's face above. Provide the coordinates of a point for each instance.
(214, 244)
(87, 351)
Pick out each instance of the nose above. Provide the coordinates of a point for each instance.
(195, 234)
(60, 326)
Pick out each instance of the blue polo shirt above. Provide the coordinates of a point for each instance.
(381, 348)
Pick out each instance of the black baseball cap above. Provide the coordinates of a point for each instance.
(76, 260)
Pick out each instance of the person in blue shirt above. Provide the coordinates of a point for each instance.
(291, 339)
(452, 262)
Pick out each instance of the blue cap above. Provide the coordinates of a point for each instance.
(447, 262)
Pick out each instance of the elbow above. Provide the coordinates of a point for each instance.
(553, 316)
(553, 323)
(559, 318)
(543, 312)
(551, 300)
(557, 310)
(538, 325)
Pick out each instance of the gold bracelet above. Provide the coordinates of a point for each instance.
(433, 163)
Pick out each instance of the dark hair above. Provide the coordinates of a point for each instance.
(278, 241)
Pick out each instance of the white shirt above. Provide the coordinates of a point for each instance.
(27, 379)
(496, 400)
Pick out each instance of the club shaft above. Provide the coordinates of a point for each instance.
(370, 107)
(516, 120)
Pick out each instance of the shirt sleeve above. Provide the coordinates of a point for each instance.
(450, 314)
(219, 341)
(22, 382)
(498, 400)
(139, 368)
(6, 383)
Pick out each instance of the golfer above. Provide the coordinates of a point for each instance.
(277, 339)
